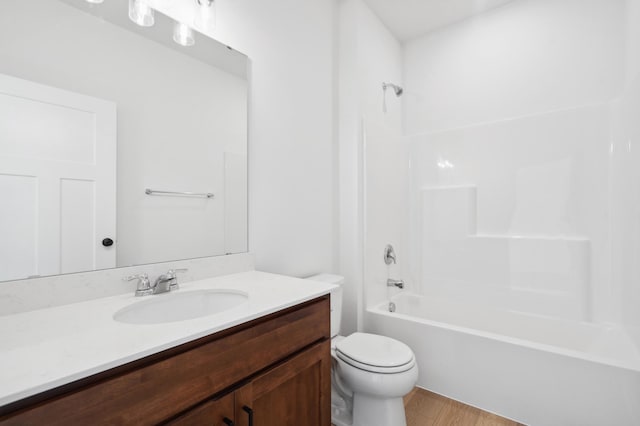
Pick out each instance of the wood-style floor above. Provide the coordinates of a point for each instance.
(424, 408)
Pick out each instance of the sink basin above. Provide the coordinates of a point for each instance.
(180, 306)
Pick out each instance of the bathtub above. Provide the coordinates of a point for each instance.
(532, 369)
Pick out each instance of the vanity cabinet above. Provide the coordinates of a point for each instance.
(274, 370)
(288, 394)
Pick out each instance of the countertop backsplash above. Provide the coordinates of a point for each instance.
(45, 292)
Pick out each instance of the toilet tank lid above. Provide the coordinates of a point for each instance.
(328, 278)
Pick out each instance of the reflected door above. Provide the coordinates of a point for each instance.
(57, 180)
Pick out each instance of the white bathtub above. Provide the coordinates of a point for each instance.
(535, 370)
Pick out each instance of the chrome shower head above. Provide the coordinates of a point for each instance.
(397, 89)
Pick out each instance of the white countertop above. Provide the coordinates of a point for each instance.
(47, 348)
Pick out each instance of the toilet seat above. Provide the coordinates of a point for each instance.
(374, 353)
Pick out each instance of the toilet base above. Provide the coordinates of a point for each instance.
(374, 411)
(341, 420)
(340, 412)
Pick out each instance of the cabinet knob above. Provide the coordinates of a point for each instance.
(107, 242)
(227, 421)
(249, 411)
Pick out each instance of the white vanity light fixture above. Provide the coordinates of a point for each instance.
(206, 16)
(141, 13)
(183, 34)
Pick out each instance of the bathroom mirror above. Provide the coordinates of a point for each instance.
(118, 146)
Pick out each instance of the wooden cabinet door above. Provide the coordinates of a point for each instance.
(295, 393)
(216, 412)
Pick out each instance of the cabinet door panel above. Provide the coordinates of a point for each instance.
(213, 413)
(297, 392)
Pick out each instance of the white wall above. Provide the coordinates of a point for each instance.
(372, 171)
(386, 161)
(386, 216)
(350, 169)
(291, 172)
(625, 159)
(515, 104)
(114, 64)
(524, 58)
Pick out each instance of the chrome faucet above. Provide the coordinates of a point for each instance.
(167, 282)
(395, 283)
(163, 284)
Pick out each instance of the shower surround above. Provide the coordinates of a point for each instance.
(512, 196)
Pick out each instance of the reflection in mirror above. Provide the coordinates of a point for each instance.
(95, 110)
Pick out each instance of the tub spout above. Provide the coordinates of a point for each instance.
(395, 283)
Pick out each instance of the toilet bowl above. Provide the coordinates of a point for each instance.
(370, 373)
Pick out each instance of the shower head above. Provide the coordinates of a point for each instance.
(397, 89)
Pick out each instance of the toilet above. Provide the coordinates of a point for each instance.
(369, 373)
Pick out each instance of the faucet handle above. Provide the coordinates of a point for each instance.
(144, 285)
(140, 277)
(389, 255)
(172, 272)
(173, 277)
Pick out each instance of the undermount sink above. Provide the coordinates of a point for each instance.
(180, 306)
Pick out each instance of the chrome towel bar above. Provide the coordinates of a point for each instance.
(186, 194)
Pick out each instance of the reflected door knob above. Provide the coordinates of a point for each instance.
(107, 242)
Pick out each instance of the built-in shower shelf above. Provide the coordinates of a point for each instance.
(544, 274)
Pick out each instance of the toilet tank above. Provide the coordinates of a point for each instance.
(336, 299)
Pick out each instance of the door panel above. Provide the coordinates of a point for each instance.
(62, 133)
(295, 393)
(77, 224)
(217, 412)
(20, 257)
(64, 144)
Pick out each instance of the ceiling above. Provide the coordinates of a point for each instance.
(408, 19)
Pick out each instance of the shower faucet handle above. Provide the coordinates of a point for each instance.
(389, 255)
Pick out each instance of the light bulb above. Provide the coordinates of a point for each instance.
(205, 19)
(141, 13)
(95, 1)
(183, 34)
